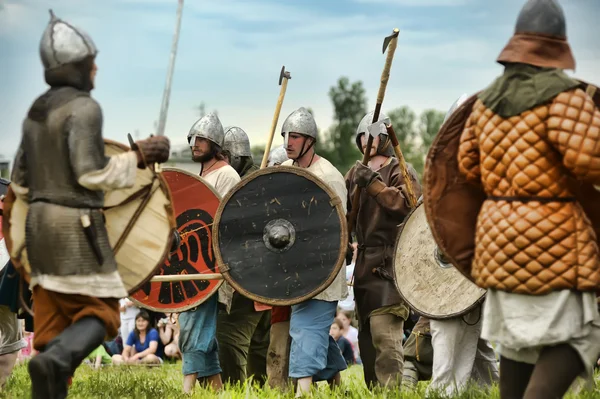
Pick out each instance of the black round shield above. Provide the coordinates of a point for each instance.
(280, 236)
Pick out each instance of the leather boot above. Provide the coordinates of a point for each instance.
(51, 369)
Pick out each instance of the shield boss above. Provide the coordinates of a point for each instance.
(280, 236)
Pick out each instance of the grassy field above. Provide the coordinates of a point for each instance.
(165, 382)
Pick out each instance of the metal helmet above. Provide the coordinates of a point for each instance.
(208, 127)
(277, 156)
(237, 142)
(463, 97)
(385, 147)
(62, 44)
(542, 16)
(300, 121)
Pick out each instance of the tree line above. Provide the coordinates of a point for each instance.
(337, 143)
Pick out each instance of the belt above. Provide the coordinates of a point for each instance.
(544, 200)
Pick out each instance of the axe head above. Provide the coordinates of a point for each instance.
(377, 128)
(284, 74)
(388, 39)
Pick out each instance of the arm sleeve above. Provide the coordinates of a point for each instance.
(119, 172)
(153, 335)
(131, 339)
(394, 198)
(468, 153)
(92, 168)
(84, 133)
(574, 130)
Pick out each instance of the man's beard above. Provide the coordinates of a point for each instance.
(203, 158)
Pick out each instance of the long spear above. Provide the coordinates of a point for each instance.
(167, 93)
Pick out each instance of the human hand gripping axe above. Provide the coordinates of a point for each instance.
(284, 76)
(389, 43)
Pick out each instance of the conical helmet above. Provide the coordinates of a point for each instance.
(542, 17)
(300, 121)
(384, 147)
(277, 156)
(237, 142)
(208, 127)
(62, 43)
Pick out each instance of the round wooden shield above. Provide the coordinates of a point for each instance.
(280, 236)
(452, 204)
(430, 286)
(139, 223)
(195, 204)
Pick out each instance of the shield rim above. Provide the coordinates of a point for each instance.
(168, 208)
(220, 282)
(343, 235)
(397, 284)
(429, 212)
(433, 149)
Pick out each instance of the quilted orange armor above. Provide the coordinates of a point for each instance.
(526, 244)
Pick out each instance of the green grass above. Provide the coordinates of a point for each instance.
(165, 382)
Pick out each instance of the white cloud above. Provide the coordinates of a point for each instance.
(230, 54)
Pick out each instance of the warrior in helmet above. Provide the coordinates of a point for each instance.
(314, 354)
(383, 206)
(60, 169)
(243, 332)
(198, 336)
(529, 135)
(236, 150)
(277, 156)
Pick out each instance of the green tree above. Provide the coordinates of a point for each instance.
(349, 106)
(258, 152)
(403, 120)
(430, 122)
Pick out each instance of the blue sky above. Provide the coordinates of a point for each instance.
(230, 53)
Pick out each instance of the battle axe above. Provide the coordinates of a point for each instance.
(284, 76)
(389, 43)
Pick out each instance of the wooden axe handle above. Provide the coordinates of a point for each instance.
(412, 198)
(356, 198)
(263, 164)
(385, 77)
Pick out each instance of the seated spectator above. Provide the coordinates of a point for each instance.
(350, 332)
(168, 329)
(98, 357)
(345, 347)
(143, 345)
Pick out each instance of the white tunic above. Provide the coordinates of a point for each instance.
(223, 180)
(521, 325)
(324, 170)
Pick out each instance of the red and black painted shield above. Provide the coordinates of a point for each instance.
(280, 236)
(195, 205)
(4, 256)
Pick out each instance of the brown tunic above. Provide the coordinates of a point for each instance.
(383, 207)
